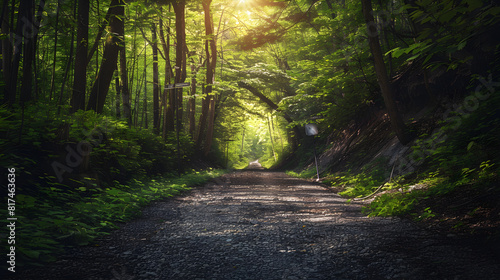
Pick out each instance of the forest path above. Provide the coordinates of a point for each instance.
(266, 225)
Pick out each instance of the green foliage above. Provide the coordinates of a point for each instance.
(447, 27)
(89, 200)
(118, 149)
(57, 218)
(465, 140)
(390, 205)
(362, 183)
(467, 156)
(306, 173)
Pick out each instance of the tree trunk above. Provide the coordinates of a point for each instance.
(117, 101)
(192, 102)
(144, 115)
(271, 137)
(17, 41)
(156, 100)
(56, 31)
(383, 80)
(36, 52)
(209, 101)
(168, 117)
(102, 26)
(124, 86)
(100, 88)
(80, 74)
(6, 51)
(68, 66)
(180, 59)
(205, 103)
(210, 126)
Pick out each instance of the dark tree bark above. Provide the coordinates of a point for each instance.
(208, 103)
(117, 101)
(56, 32)
(169, 94)
(156, 89)
(29, 34)
(22, 31)
(102, 26)
(100, 88)
(127, 114)
(373, 39)
(38, 19)
(144, 115)
(80, 73)
(192, 102)
(180, 58)
(168, 112)
(6, 51)
(68, 65)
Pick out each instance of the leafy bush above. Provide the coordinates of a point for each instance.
(463, 153)
(364, 182)
(56, 218)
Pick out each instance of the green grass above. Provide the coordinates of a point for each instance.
(306, 174)
(400, 203)
(58, 218)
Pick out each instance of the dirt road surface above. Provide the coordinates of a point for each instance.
(256, 224)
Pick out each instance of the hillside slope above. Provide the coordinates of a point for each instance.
(446, 178)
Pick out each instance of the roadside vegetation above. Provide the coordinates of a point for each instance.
(453, 182)
(58, 206)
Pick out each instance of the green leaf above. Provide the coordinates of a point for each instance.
(461, 45)
(471, 144)
(397, 52)
(413, 57)
(114, 192)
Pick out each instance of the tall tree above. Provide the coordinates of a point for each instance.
(80, 73)
(180, 58)
(114, 39)
(68, 64)
(127, 114)
(168, 116)
(102, 26)
(397, 122)
(156, 88)
(208, 105)
(6, 51)
(192, 101)
(56, 32)
(22, 31)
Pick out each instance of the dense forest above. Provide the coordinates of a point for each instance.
(109, 105)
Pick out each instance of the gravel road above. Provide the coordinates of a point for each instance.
(257, 224)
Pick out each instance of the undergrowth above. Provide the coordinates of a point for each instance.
(78, 176)
(463, 152)
(57, 218)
